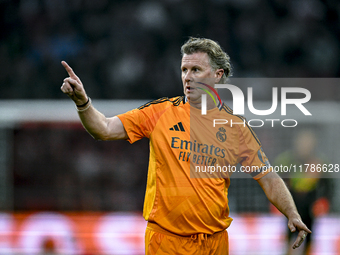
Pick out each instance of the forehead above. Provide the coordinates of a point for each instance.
(197, 58)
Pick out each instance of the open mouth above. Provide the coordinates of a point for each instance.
(189, 88)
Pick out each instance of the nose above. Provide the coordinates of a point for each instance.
(188, 77)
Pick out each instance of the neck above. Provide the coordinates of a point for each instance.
(198, 103)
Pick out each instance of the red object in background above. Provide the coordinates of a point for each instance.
(274, 210)
(320, 207)
(48, 245)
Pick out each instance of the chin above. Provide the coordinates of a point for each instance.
(193, 96)
(190, 97)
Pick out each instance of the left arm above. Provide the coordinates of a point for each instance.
(279, 195)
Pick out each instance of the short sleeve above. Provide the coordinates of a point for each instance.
(253, 159)
(134, 123)
(139, 123)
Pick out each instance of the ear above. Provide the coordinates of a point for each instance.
(218, 75)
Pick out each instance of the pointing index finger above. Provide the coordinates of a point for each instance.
(69, 70)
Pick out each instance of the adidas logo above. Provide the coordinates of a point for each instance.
(178, 127)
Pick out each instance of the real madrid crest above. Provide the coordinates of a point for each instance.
(221, 135)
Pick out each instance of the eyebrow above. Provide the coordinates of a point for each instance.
(195, 66)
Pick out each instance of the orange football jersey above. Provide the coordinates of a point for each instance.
(187, 190)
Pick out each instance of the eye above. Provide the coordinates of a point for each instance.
(184, 69)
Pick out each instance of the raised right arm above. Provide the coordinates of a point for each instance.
(98, 126)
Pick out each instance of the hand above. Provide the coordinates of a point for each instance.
(73, 87)
(296, 224)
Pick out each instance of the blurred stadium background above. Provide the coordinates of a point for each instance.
(62, 192)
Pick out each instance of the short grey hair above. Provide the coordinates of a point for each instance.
(217, 57)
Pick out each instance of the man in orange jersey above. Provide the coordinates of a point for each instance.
(186, 205)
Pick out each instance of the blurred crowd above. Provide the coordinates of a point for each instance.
(130, 49)
(62, 168)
